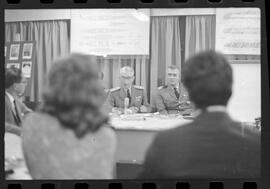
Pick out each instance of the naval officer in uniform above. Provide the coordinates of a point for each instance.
(128, 98)
(171, 98)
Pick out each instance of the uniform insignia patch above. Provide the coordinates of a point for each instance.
(115, 89)
(138, 87)
(161, 87)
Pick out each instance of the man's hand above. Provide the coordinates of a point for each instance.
(117, 110)
(143, 109)
(10, 128)
(134, 109)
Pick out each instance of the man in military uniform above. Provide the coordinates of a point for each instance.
(171, 98)
(128, 98)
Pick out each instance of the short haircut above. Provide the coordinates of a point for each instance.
(74, 94)
(208, 78)
(173, 67)
(12, 75)
(126, 71)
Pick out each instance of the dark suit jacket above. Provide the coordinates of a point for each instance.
(9, 114)
(212, 146)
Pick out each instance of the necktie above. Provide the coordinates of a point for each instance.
(128, 95)
(176, 92)
(16, 112)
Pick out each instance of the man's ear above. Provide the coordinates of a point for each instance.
(13, 86)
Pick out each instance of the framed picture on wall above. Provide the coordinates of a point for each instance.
(26, 68)
(27, 50)
(15, 65)
(14, 52)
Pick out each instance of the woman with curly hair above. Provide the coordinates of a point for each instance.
(69, 137)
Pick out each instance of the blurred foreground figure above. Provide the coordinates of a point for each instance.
(213, 145)
(69, 138)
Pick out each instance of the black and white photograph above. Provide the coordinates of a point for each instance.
(27, 50)
(14, 65)
(14, 52)
(134, 94)
(26, 68)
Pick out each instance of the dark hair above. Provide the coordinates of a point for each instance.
(208, 79)
(12, 75)
(74, 95)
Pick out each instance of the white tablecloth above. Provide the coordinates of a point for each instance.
(14, 153)
(153, 122)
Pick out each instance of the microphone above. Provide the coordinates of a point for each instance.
(126, 103)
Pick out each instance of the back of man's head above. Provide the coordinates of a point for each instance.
(12, 75)
(208, 79)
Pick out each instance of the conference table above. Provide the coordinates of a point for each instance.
(134, 132)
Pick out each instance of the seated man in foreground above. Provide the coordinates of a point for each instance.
(128, 98)
(213, 145)
(171, 98)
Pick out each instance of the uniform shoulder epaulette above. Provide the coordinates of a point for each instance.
(162, 87)
(115, 89)
(138, 87)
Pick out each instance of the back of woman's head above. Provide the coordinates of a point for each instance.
(208, 79)
(74, 94)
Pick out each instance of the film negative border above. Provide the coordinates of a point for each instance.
(13, 4)
(259, 183)
(134, 185)
(121, 1)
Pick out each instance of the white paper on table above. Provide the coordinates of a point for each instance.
(135, 122)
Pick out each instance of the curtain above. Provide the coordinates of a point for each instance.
(111, 65)
(165, 48)
(200, 34)
(52, 41)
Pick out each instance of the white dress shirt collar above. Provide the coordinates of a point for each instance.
(177, 87)
(10, 97)
(129, 90)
